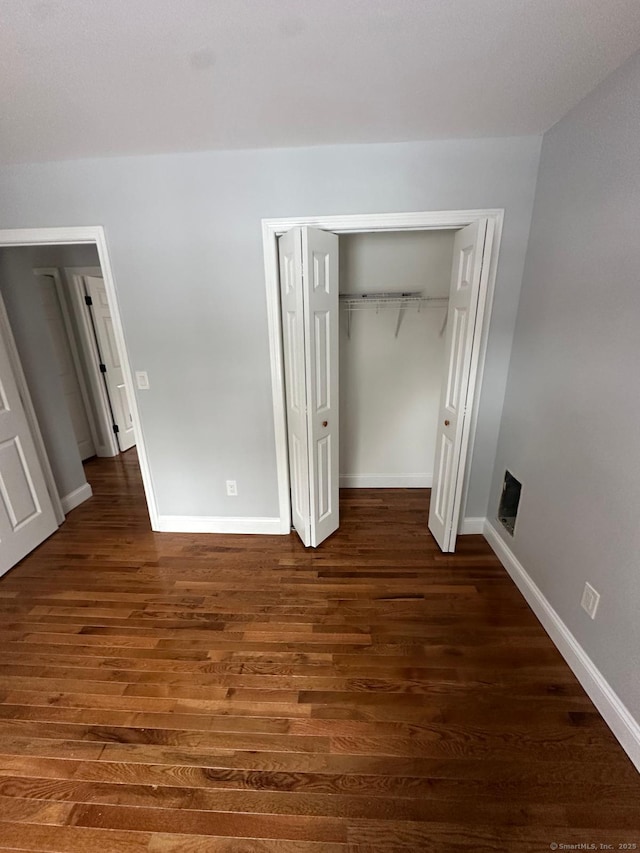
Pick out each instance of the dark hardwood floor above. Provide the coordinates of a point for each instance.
(188, 693)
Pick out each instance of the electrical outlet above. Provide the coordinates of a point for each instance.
(232, 488)
(590, 600)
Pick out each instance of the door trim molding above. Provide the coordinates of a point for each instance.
(95, 234)
(435, 220)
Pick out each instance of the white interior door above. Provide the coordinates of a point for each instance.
(110, 358)
(309, 298)
(66, 367)
(26, 513)
(455, 402)
(291, 296)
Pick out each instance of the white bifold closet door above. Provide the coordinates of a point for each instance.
(26, 513)
(469, 248)
(309, 299)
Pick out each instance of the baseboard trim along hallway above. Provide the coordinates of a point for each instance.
(386, 481)
(76, 497)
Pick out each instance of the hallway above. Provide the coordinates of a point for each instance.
(197, 693)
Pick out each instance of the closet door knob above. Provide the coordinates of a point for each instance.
(446, 423)
(325, 423)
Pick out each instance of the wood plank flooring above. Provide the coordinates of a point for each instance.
(207, 694)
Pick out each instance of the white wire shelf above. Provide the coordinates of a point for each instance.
(399, 300)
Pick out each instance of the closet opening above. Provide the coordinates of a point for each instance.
(306, 333)
(394, 296)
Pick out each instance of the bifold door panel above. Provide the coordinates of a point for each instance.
(453, 427)
(309, 301)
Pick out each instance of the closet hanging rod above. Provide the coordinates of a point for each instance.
(366, 300)
(398, 300)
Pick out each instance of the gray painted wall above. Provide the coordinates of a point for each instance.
(185, 241)
(572, 411)
(31, 332)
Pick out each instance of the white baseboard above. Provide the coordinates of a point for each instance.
(471, 525)
(76, 497)
(623, 725)
(386, 481)
(218, 524)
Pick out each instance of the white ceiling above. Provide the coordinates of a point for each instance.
(84, 78)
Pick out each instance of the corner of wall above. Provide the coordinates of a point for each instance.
(624, 726)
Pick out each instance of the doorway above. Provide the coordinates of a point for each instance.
(477, 263)
(73, 401)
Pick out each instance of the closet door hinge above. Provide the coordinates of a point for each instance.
(88, 300)
(116, 428)
(103, 368)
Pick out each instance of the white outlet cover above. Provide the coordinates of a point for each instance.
(232, 488)
(590, 600)
(142, 380)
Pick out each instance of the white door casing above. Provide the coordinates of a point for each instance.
(110, 357)
(469, 249)
(66, 366)
(27, 517)
(309, 299)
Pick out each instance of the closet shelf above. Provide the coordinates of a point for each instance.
(354, 301)
(399, 300)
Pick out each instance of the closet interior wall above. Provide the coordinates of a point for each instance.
(390, 385)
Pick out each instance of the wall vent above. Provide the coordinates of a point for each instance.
(509, 501)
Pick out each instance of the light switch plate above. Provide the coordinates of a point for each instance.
(590, 600)
(142, 380)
